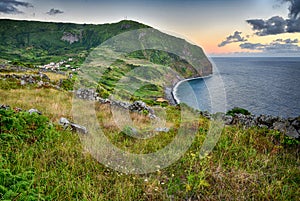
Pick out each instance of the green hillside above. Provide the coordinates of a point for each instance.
(107, 54)
(43, 42)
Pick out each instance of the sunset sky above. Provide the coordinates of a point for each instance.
(222, 28)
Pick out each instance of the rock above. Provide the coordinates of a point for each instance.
(86, 94)
(292, 132)
(290, 119)
(152, 116)
(64, 122)
(263, 126)
(227, 119)
(245, 120)
(17, 109)
(31, 111)
(266, 120)
(31, 80)
(23, 82)
(75, 127)
(102, 100)
(206, 114)
(5, 107)
(79, 129)
(139, 106)
(296, 123)
(44, 76)
(280, 126)
(40, 83)
(162, 130)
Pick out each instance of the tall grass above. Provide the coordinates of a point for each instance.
(41, 161)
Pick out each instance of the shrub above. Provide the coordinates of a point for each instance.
(238, 110)
(67, 84)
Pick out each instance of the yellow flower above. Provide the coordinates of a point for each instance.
(188, 187)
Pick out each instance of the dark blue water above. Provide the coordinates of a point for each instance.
(260, 85)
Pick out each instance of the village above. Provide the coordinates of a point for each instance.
(60, 66)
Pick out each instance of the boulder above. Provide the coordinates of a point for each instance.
(292, 132)
(86, 94)
(79, 129)
(139, 106)
(5, 107)
(64, 122)
(74, 127)
(32, 110)
(44, 76)
(266, 120)
(245, 120)
(280, 126)
(162, 130)
(227, 119)
(205, 114)
(152, 116)
(23, 82)
(40, 83)
(296, 123)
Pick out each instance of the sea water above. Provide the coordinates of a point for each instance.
(261, 85)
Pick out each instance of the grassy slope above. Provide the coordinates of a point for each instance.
(28, 42)
(51, 163)
(40, 42)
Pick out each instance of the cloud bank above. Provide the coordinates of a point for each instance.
(53, 11)
(277, 24)
(272, 26)
(11, 6)
(277, 46)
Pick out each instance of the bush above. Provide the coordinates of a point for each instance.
(23, 126)
(67, 84)
(18, 131)
(238, 110)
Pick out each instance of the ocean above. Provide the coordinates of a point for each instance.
(261, 85)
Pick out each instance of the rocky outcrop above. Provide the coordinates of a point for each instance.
(71, 38)
(30, 79)
(74, 127)
(4, 107)
(40, 79)
(137, 106)
(86, 94)
(33, 110)
(288, 126)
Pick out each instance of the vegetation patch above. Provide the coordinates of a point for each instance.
(238, 110)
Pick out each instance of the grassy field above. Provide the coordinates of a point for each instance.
(41, 161)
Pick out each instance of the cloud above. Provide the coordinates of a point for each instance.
(272, 26)
(277, 25)
(277, 46)
(53, 11)
(11, 6)
(287, 40)
(294, 8)
(252, 46)
(236, 37)
(293, 25)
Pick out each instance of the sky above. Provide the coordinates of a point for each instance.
(221, 28)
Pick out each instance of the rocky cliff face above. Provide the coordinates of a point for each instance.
(208, 68)
(71, 38)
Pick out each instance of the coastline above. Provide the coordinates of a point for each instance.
(174, 89)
